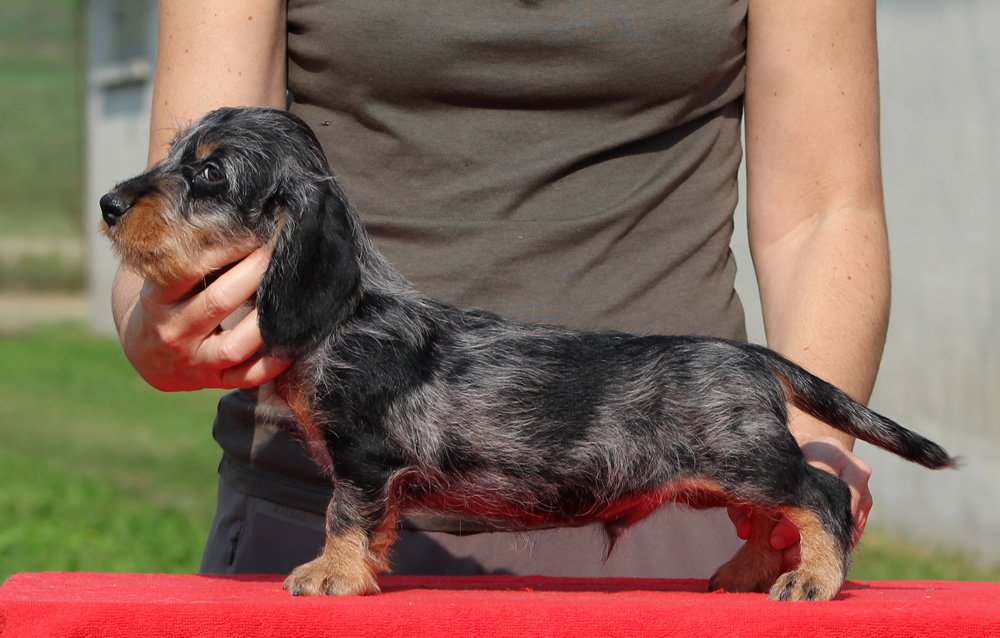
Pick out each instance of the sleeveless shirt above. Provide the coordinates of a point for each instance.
(563, 161)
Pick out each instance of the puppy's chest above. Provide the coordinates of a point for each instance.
(336, 386)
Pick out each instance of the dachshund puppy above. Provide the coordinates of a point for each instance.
(410, 404)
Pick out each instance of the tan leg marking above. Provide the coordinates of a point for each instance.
(382, 540)
(343, 569)
(349, 564)
(823, 568)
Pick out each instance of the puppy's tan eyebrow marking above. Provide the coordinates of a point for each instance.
(204, 151)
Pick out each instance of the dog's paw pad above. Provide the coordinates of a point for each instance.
(316, 579)
(803, 586)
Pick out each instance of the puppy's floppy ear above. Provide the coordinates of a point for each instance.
(313, 281)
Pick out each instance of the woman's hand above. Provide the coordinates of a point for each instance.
(174, 338)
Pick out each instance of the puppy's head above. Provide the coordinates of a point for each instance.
(244, 178)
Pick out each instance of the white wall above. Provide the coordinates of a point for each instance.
(941, 373)
(940, 80)
(120, 55)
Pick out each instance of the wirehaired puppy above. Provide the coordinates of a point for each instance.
(411, 404)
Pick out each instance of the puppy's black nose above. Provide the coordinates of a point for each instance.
(113, 208)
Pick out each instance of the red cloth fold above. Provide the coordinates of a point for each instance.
(137, 605)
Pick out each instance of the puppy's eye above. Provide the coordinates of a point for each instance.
(211, 173)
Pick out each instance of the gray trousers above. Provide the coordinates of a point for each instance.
(253, 536)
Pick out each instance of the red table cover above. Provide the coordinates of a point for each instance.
(137, 605)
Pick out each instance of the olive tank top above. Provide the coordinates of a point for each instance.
(563, 161)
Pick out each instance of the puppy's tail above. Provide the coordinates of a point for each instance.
(827, 403)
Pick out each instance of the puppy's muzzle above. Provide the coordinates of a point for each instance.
(113, 208)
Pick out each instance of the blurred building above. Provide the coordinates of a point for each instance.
(121, 55)
(940, 75)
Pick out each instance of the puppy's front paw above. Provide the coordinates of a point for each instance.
(325, 577)
(802, 585)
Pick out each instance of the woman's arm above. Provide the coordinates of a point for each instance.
(814, 205)
(223, 53)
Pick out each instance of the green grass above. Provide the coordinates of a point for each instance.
(881, 556)
(101, 473)
(41, 109)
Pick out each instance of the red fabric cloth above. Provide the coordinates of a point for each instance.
(137, 605)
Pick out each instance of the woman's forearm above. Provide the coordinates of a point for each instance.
(825, 296)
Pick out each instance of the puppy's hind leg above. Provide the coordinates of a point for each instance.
(821, 510)
(356, 551)
(827, 533)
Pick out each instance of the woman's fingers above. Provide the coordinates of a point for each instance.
(180, 343)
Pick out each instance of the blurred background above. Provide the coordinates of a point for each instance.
(98, 472)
